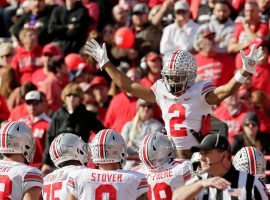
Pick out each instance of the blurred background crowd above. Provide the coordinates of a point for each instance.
(47, 81)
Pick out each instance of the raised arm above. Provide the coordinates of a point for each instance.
(249, 63)
(93, 49)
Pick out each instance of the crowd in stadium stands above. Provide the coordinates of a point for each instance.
(49, 83)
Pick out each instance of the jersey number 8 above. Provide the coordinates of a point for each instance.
(107, 190)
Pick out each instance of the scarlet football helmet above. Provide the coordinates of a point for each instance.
(250, 160)
(17, 138)
(66, 147)
(179, 71)
(108, 146)
(157, 150)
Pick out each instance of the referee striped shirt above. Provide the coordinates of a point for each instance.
(243, 187)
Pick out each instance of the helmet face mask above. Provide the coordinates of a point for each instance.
(250, 160)
(107, 147)
(195, 164)
(67, 147)
(157, 150)
(17, 138)
(175, 83)
(179, 71)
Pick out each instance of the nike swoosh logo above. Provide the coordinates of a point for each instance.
(186, 99)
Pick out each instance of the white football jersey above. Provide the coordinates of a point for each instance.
(183, 113)
(55, 183)
(164, 182)
(17, 178)
(106, 185)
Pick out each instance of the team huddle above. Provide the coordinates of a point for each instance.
(166, 162)
(159, 174)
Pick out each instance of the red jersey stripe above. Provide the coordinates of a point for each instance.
(33, 176)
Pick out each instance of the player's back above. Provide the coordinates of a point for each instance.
(17, 178)
(55, 183)
(100, 184)
(164, 182)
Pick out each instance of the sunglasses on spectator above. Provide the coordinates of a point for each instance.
(32, 102)
(7, 55)
(48, 54)
(180, 11)
(138, 13)
(252, 124)
(73, 94)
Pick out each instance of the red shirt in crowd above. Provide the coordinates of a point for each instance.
(26, 63)
(52, 86)
(38, 77)
(261, 82)
(262, 29)
(218, 68)
(264, 120)
(4, 112)
(234, 121)
(121, 110)
(146, 82)
(157, 111)
(18, 112)
(39, 126)
(238, 5)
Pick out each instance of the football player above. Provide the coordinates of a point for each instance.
(250, 160)
(195, 166)
(18, 180)
(68, 152)
(183, 101)
(164, 174)
(109, 181)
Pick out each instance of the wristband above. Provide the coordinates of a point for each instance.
(240, 78)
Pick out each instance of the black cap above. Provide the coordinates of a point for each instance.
(251, 117)
(213, 141)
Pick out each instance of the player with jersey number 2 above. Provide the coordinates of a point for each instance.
(183, 101)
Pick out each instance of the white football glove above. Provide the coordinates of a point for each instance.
(97, 52)
(252, 59)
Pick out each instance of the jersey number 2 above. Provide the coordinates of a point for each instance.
(176, 121)
(5, 187)
(50, 190)
(107, 190)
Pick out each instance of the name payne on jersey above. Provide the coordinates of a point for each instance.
(106, 177)
(160, 175)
